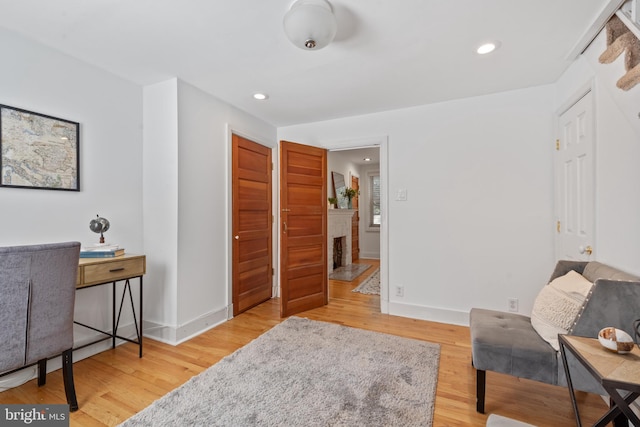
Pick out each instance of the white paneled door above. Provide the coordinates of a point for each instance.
(575, 183)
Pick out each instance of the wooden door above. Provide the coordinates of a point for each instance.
(355, 222)
(303, 222)
(252, 274)
(355, 184)
(575, 185)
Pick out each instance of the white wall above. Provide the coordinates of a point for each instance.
(160, 202)
(477, 225)
(476, 229)
(183, 208)
(336, 162)
(109, 110)
(195, 217)
(617, 240)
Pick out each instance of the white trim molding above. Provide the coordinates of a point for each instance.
(590, 34)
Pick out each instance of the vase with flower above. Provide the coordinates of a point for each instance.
(350, 194)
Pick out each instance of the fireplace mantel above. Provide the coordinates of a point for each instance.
(338, 212)
(339, 225)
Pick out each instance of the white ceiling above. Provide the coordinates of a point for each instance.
(386, 55)
(357, 156)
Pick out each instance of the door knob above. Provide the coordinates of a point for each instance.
(588, 250)
(236, 237)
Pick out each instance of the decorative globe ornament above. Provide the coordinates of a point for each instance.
(99, 225)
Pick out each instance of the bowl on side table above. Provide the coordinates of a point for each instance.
(615, 340)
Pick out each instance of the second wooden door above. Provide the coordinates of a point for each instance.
(303, 237)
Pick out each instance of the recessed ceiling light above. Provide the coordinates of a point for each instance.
(367, 159)
(488, 47)
(260, 96)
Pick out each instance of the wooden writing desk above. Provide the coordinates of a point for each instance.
(101, 271)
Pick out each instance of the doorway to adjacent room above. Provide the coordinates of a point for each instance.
(354, 225)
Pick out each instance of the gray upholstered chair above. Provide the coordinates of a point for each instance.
(37, 297)
(507, 343)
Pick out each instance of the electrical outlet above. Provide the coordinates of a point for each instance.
(513, 304)
(401, 195)
(399, 291)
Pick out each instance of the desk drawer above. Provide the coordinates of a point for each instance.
(112, 271)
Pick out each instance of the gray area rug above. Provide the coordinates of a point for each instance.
(371, 284)
(348, 272)
(308, 373)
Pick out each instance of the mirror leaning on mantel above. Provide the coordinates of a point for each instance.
(338, 189)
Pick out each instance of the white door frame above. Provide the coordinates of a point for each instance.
(382, 143)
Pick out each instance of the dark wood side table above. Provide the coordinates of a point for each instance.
(616, 372)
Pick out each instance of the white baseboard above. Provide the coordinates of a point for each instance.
(175, 335)
(22, 376)
(384, 306)
(370, 255)
(18, 378)
(155, 331)
(151, 330)
(432, 314)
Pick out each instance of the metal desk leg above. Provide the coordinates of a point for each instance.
(622, 404)
(114, 325)
(115, 317)
(140, 312)
(138, 326)
(570, 384)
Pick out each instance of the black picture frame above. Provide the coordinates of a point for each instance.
(38, 151)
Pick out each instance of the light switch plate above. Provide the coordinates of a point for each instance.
(401, 195)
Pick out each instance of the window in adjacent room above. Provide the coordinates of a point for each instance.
(373, 178)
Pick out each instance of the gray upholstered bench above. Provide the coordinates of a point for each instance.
(509, 344)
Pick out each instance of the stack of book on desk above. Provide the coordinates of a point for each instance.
(101, 251)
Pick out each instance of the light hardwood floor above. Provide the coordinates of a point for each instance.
(115, 384)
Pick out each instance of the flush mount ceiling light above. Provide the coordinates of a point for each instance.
(260, 96)
(488, 47)
(310, 24)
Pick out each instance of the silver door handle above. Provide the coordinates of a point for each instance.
(237, 237)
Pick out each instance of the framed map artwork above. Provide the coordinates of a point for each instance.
(38, 151)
